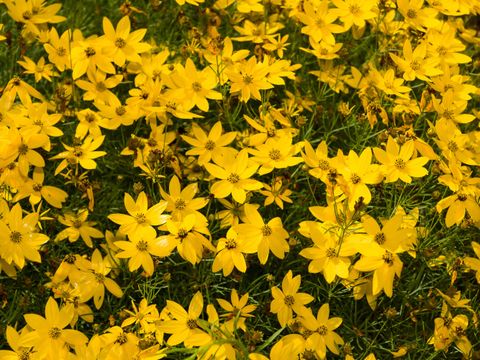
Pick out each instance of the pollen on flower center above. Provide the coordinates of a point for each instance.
(247, 79)
(24, 355)
(415, 65)
(400, 163)
(120, 43)
(16, 237)
(322, 330)
(412, 14)
(323, 165)
(89, 51)
(275, 154)
(61, 51)
(120, 110)
(355, 179)
(141, 218)
(196, 86)
(23, 149)
(452, 146)
(354, 9)
(462, 197)
(77, 223)
(191, 324)
(233, 178)
(266, 230)
(100, 86)
(388, 258)
(54, 332)
(142, 245)
(289, 300)
(100, 278)
(442, 50)
(121, 339)
(180, 204)
(210, 145)
(182, 233)
(380, 238)
(37, 187)
(230, 244)
(331, 252)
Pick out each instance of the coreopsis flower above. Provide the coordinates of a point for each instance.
(353, 12)
(187, 235)
(474, 263)
(181, 202)
(390, 84)
(319, 19)
(234, 174)
(88, 54)
(14, 341)
(212, 146)
(98, 85)
(276, 154)
(450, 109)
(248, 78)
(271, 235)
(323, 50)
(19, 238)
(444, 45)
(140, 247)
(397, 162)
(276, 193)
(183, 326)
(78, 226)
(237, 311)
(58, 49)
(415, 64)
(40, 69)
(317, 160)
(191, 87)
(226, 58)
(288, 300)
(144, 315)
(416, 15)
(140, 219)
(116, 113)
(16, 86)
(93, 277)
(258, 32)
(90, 123)
(328, 255)
(82, 154)
(121, 44)
(278, 45)
(230, 250)
(115, 343)
(232, 215)
(452, 143)
(321, 331)
(358, 172)
(49, 336)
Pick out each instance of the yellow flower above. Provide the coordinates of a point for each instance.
(276, 193)
(276, 154)
(82, 154)
(182, 202)
(322, 331)
(191, 87)
(78, 226)
(58, 49)
(234, 174)
(353, 12)
(237, 311)
(230, 250)
(184, 325)
(97, 88)
(40, 69)
(19, 239)
(49, 335)
(121, 44)
(211, 146)
(145, 316)
(288, 300)
(140, 218)
(248, 78)
(94, 280)
(14, 341)
(397, 162)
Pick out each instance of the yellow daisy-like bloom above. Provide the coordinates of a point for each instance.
(289, 300)
(230, 250)
(397, 162)
(234, 175)
(78, 226)
(211, 146)
(140, 219)
(181, 202)
(276, 154)
(19, 239)
(123, 45)
(184, 326)
(237, 311)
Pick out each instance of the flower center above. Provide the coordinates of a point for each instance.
(247, 79)
(400, 163)
(210, 145)
(120, 43)
(54, 332)
(23, 149)
(121, 339)
(16, 237)
(120, 110)
(331, 252)
(61, 51)
(289, 300)
(100, 86)
(89, 51)
(182, 233)
(462, 197)
(415, 65)
(388, 258)
(354, 9)
(142, 245)
(380, 238)
(180, 204)
(275, 154)
(196, 86)
(452, 146)
(322, 330)
(412, 14)
(323, 165)
(100, 278)
(266, 230)
(233, 178)
(230, 244)
(192, 324)
(141, 218)
(37, 187)
(355, 178)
